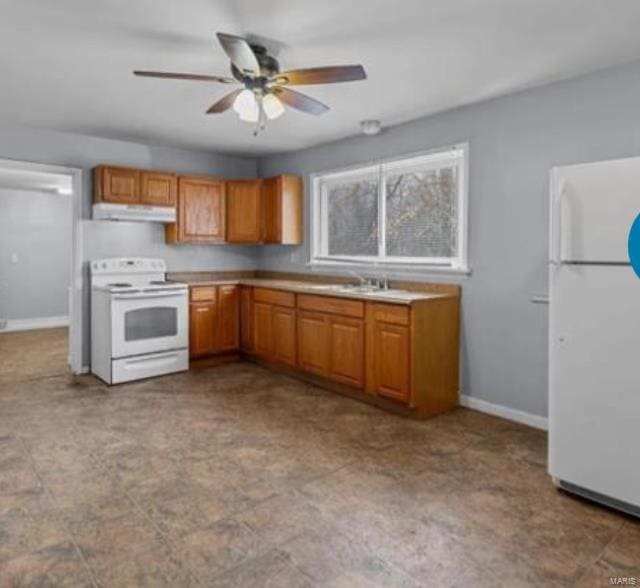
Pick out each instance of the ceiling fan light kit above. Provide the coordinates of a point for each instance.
(370, 127)
(265, 88)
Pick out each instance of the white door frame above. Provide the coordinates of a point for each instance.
(76, 287)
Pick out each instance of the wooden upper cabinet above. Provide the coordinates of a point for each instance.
(227, 318)
(244, 211)
(391, 361)
(201, 212)
(158, 189)
(118, 185)
(282, 210)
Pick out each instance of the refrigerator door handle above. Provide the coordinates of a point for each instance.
(556, 226)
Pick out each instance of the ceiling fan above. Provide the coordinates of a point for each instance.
(264, 88)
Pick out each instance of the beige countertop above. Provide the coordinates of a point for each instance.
(301, 287)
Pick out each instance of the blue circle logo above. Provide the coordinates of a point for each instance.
(634, 246)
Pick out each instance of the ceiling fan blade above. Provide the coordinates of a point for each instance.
(224, 103)
(183, 76)
(240, 53)
(321, 75)
(300, 101)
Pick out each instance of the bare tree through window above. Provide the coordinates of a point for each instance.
(405, 210)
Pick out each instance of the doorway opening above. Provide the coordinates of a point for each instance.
(40, 271)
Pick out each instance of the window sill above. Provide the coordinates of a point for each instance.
(390, 268)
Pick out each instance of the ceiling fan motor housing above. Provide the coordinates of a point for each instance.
(269, 67)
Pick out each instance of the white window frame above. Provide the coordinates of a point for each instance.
(457, 155)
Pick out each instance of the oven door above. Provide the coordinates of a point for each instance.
(147, 322)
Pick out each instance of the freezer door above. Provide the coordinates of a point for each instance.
(594, 404)
(592, 209)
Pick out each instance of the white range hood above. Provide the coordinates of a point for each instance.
(134, 212)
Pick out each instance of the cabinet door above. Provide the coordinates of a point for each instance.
(201, 211)
(227, 318)
(243, 211)
(391, 361)
(271, 215)
(262, 329)
(201, 328)
(282, 210)
(347, 351)
(283, 325)
(158, 189)
(246, 318)
(118, 184)
(313, 342)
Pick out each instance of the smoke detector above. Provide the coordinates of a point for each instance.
(370, 127)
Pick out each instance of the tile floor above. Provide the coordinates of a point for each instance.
(235, 476)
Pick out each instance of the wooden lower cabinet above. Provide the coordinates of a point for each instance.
(283, 333)
(228, 319)
(397, 355)
(274, 332)
(346, 350)
(246, 318)
(314, 336)
(201, 328)
(213, 320)
(390, 361)
(262, 329)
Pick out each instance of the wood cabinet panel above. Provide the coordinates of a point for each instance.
(283, 333)
(314, 337)
(391, 361)
(262, 329)
(282, 210)
(275, 297)
(201, 328)
(158, 189)
(201, 212)
(118, 185)
(227, 327)
(342, 306)
(202, 293)
(246, 318)
(391, 313)
(244, 211)
(347, 351)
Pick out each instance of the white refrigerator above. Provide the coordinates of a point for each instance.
(594, 361)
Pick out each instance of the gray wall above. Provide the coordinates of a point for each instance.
(514, 141)
(106, 239)
(35, 227)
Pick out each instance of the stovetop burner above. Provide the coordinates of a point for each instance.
(159, 282)
(120, 285)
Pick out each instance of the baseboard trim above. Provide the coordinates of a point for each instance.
(519, 416)
(44, 322)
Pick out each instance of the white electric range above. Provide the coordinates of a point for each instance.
(139, 321)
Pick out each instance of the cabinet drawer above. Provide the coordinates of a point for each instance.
(202, 293)
(340, 306)
(391, 313)
(277, 297)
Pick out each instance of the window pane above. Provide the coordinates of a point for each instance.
(352, 215)
(422, 213)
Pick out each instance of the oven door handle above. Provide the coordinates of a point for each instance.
(149, 295)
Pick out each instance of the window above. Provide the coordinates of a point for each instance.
(405, 211)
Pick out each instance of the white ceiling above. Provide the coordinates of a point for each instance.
(66, 64)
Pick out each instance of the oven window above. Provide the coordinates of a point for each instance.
(150, 323)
